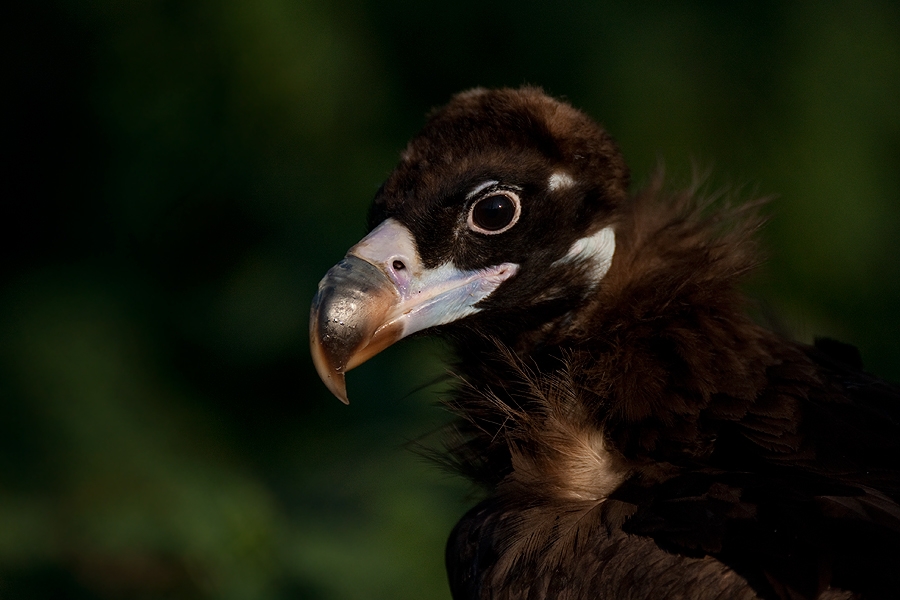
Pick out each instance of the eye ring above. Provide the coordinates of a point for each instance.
(495, 212)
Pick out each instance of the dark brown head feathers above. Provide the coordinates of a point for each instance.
(489, 131)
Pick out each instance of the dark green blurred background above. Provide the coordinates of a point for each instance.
(178, 175)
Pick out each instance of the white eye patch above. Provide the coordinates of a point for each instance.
(559, 181)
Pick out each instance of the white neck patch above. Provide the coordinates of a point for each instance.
(597, 248)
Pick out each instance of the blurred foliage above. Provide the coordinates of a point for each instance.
(179, 175)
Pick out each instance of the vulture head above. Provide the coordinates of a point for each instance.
(501, 217)
(626, 414)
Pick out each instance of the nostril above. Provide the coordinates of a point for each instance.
(398, 272)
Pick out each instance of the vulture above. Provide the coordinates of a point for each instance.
(638, 434)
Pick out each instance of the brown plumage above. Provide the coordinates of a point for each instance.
(639, 436)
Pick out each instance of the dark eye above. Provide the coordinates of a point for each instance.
(495, 213)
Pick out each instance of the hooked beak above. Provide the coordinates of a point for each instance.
(380, 293)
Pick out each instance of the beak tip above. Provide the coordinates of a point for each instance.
(332, 377)
(339, 389)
